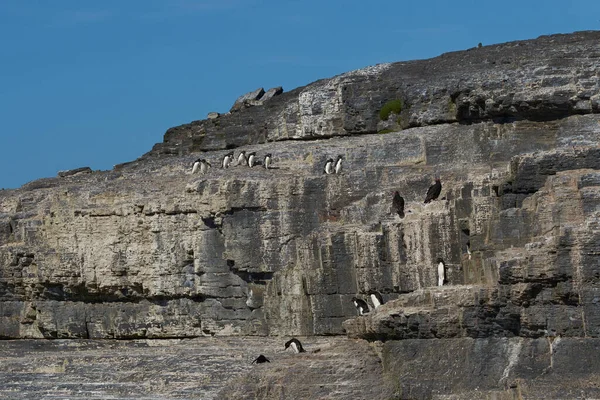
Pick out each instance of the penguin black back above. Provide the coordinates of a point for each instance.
(196, 165)
(295, 345)
(260, 359)
(329, 167)
(398, 204)
(434, 191)
(361, 306)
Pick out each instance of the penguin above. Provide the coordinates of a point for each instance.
(267, 161)
(227, 160)
(398, 204)
(251, 159)
(204, 166)
(434, 191)
(329, 168)
(338, 164)
(196, 165)
(469, 249)
(261, 359)
(295, 345)
(376, 298)
(201, 164)
(361, 306)
(441, 270)
(242, 158)
(250, 300)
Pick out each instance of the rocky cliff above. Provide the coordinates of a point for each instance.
(149, 250)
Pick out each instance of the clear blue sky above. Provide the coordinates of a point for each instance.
(96, 83)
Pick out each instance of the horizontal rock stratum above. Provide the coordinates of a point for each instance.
(149, 250)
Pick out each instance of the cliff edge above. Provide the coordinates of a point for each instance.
(149, 250)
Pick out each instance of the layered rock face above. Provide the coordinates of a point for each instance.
(149, 250)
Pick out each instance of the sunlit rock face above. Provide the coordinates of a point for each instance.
(149, 250)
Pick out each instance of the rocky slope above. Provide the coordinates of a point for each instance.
(148, 250)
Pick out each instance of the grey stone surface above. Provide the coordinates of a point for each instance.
(544, 79)
(493, 368)
(71, 172)
(163, 369)
(269, 94)
(247, 100)
(149, 250)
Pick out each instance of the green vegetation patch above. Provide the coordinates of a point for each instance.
(392, 106)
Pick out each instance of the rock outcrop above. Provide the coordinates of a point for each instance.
(255, 98)
(148, 250)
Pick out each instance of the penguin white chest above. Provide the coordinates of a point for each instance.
(295, 348)
(329, 168)
(338, 167)
(375, 301)
(441, 273)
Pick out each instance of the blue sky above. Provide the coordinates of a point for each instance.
(96, 83)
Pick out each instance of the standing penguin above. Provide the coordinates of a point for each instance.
(242, 158)
(361, 306)
(434, 191)
(196, 165)
(441, 270)
(267, 161)
(201, 164)
(227, 160)
(398, 204)
(251, 159)
(295, 345)
(338, 164)
(329, 167)
(376, 298)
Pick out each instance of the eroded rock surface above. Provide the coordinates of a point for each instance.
(161, 369)
(149, 250)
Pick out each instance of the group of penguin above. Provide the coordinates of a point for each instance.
(203, 165)
(331, 167)
(361, 306)
(249, 160)
(432, 194)
(293, 343)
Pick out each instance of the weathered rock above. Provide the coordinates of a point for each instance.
(168, 369)
(544, 79)
(71, 172)
(345, 370)
(150, 251)
(192, 246)
(247, 99)
(498, 368)
(269, 94)
(213, 115)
